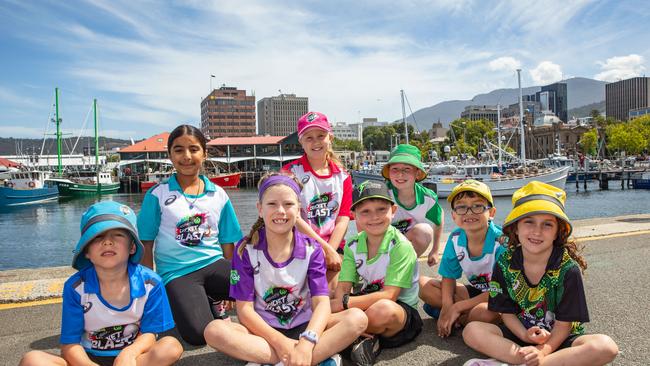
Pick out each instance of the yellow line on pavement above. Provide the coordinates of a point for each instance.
(14, 305)
(618, 235)
(423, 258)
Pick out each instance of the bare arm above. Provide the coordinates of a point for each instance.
(363, 302)
(147, 256)
(142, 344)
(340, 228)
(559, 333)
(437, 233)
(75, 355)
(228, 250)
(467, 305)
(332, 259)
(512, 322)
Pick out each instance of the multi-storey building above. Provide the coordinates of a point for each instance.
(228, 112)
(476, 112)
(625, 95)
(278, 116)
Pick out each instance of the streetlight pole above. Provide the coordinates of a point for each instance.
(211, 77)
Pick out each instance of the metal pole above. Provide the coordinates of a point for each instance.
(96, 147)
(521, 120)
(58, 131)
(406, 127)
(499, 132)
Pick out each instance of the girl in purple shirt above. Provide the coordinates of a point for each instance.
(278, 279)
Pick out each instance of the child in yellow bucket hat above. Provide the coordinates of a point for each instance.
(471, 250)
(537, 287)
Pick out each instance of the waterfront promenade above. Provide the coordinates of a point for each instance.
(617, 250)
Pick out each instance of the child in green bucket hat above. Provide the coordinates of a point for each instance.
(419, 216)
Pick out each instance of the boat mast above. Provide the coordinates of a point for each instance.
(58, 132)
(499, 132)
(406, 127)
(96, 146)
(521, 121)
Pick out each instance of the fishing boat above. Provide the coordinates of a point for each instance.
(82, 183)
(446, 177)
(26, 187)
(226, 180)
(151, 179)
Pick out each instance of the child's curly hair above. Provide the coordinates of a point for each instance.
(562, 240)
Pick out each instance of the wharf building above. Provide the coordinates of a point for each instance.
(627, 98)
(278, 116)
(228, 112)
(548, 136)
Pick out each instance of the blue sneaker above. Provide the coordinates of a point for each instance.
(431, 311)
(332, 361)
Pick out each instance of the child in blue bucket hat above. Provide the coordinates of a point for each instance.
(113, 307)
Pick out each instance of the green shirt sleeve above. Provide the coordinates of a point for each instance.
(435, 214)
(348, 268)
(401, 266)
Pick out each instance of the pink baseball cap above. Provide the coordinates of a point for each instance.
(313, 119)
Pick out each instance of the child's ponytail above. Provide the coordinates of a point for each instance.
(330, 155)
(253, 236)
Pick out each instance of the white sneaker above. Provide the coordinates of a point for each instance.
(484, 362)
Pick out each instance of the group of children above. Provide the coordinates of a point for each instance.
(303, 293)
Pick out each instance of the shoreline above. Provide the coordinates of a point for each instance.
(29, 285)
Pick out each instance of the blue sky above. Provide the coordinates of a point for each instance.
(149, 62)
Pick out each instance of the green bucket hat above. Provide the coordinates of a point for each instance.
(405, 154)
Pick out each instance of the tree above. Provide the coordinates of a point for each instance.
(468, 136)
(589, 142)
(624, 137)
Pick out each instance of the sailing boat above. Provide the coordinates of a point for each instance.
(83, 183)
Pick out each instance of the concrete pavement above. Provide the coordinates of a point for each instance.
(617, 250)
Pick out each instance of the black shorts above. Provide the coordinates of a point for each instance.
(511, 336)
(102, 360)
(473, 291)
(293, 333)
(412, 328)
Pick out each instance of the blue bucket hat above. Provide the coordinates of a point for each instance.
(101, 217)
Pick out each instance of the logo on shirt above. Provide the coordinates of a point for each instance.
(87, 306)
(170, 200)
(113, 338)
(480, 281)
(191, 229)
(370, 287)
(281, 302)
(305, 179)
(321, 207)
(403, 225)
(234, 277)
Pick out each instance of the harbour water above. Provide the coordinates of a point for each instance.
(44, 235)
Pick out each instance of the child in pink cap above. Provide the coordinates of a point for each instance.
(327, 190)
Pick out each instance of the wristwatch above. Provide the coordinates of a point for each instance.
(309, 335)
(345, 300)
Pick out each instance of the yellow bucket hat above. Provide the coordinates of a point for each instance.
(471, 185)
(535, 198)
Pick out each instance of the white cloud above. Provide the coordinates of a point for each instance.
(505, 63)
(546, 72)
(621, 67)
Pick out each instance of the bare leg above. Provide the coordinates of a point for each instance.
(488, 339)
(236, 341)
(592, 349)
(421, 236)
(481, 313)
(385, 317)
(166, 351)
(342, 329)
(431, 291)
(40, 358)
